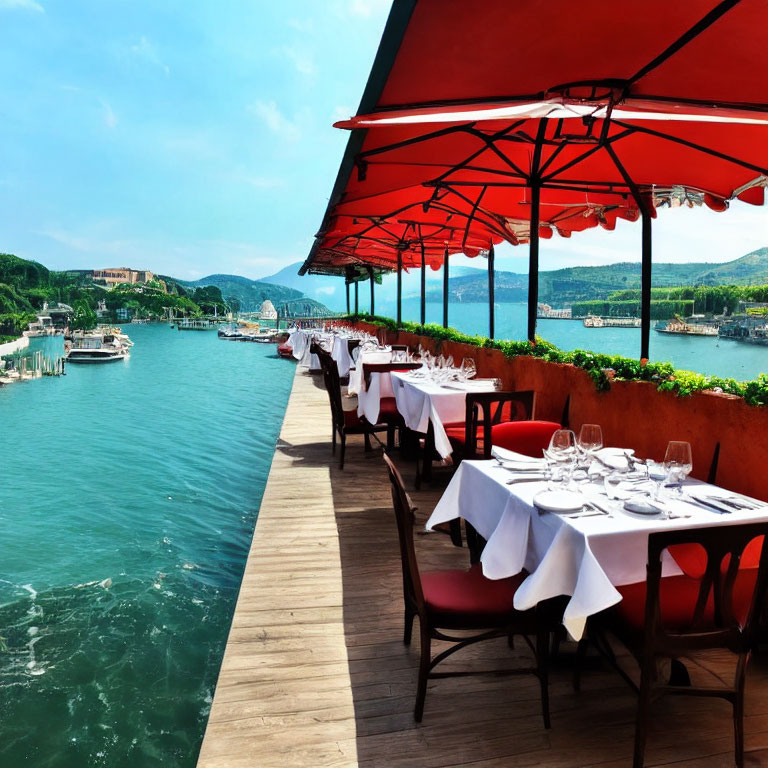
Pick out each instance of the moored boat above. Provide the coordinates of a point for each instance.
(96, 348)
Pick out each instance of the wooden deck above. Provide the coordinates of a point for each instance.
(316, 674)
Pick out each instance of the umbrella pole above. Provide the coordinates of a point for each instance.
(346, 285)
(645, 285)
(399, 288)
(491, 293)
(445, 288)
(423, 283)
(533, 262)
(370, 277)
(357, 283)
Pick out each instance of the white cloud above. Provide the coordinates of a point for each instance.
(301, 60)
(145, 50)
(341, 112)
(368, 8)
(27, 5)
(110, 118)
(270, 115)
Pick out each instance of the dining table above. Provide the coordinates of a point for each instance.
(584, 552)
(423, 400)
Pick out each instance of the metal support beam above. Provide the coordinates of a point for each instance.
(399, 288)
(357, 284)
(491, 293)
(346, 284)
(370, 277)
(423, 284)
(445, 289)
(533, 261)
(645, 285)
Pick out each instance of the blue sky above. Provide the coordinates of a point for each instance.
(191, 137)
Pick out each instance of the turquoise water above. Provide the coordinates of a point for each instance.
(128, 497)
(704, 355)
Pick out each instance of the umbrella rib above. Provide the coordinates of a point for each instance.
(588, 153)
(716, 13)
(693, 145)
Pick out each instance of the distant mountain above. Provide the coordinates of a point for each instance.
(250, 293)
(330, 289)
(579, 283)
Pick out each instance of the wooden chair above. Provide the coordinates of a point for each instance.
(484, 410)
(343, 422)
(456, 600)
(674, 616)
(526, 437)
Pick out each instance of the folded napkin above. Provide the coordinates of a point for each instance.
(515, 460)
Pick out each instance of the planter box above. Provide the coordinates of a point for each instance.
(633, 414)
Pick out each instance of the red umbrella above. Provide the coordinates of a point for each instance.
(616, 113)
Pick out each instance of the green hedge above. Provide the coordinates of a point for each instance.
(601, 368)
(660, 309)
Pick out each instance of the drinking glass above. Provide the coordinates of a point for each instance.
(678, 462)
(590, 439)
(658, 473)
(468, 368)
(562, 448)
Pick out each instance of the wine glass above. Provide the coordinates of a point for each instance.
(468, 368)
(590, 438)
(678, 462)
(658, 473)
(562, 448)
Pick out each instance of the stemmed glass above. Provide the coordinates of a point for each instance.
(590, 440)
(468, 369)
(562, 449)
(678, 463)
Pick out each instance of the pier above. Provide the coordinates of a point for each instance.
(315, 672)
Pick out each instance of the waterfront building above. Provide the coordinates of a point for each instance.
(115, 275)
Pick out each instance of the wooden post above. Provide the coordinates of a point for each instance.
(423, 284)
(399, 288)
(491, 293)
(445, 289)
(645, 284)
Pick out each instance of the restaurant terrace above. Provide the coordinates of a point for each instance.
(481, 552)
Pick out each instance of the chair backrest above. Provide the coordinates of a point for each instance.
(352, 344)
(730, 596)
(332, 384)
(526, 437)
(488, 408)
(370, 368)
(404, 514)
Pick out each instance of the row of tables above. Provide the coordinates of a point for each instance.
(583, 556)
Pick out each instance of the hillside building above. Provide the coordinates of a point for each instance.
(115, 275)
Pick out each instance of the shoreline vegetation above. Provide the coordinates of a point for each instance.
(25, 286)
(601, 368)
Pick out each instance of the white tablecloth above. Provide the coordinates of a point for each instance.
(421, 401)
(584, 558)
(340, 354)
(369, 400)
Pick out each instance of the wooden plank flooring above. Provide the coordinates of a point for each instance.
(316, 674)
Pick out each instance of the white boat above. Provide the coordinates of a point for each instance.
(96, 348)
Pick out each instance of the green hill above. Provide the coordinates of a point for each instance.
(564, 286)
(250, 293)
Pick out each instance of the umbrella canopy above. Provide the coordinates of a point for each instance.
(585, 117)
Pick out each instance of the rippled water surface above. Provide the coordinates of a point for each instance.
(128, 497)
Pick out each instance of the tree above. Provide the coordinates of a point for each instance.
(85, 318)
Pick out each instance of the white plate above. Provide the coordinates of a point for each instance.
(559, 501)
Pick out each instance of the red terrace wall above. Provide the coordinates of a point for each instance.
(632, 414)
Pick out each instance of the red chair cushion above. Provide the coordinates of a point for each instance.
(457, 433)
(527, 437)
(351, 419)
(388, 413)
(692, 558)
(469, 593)
(678, 595)
(284, 349)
